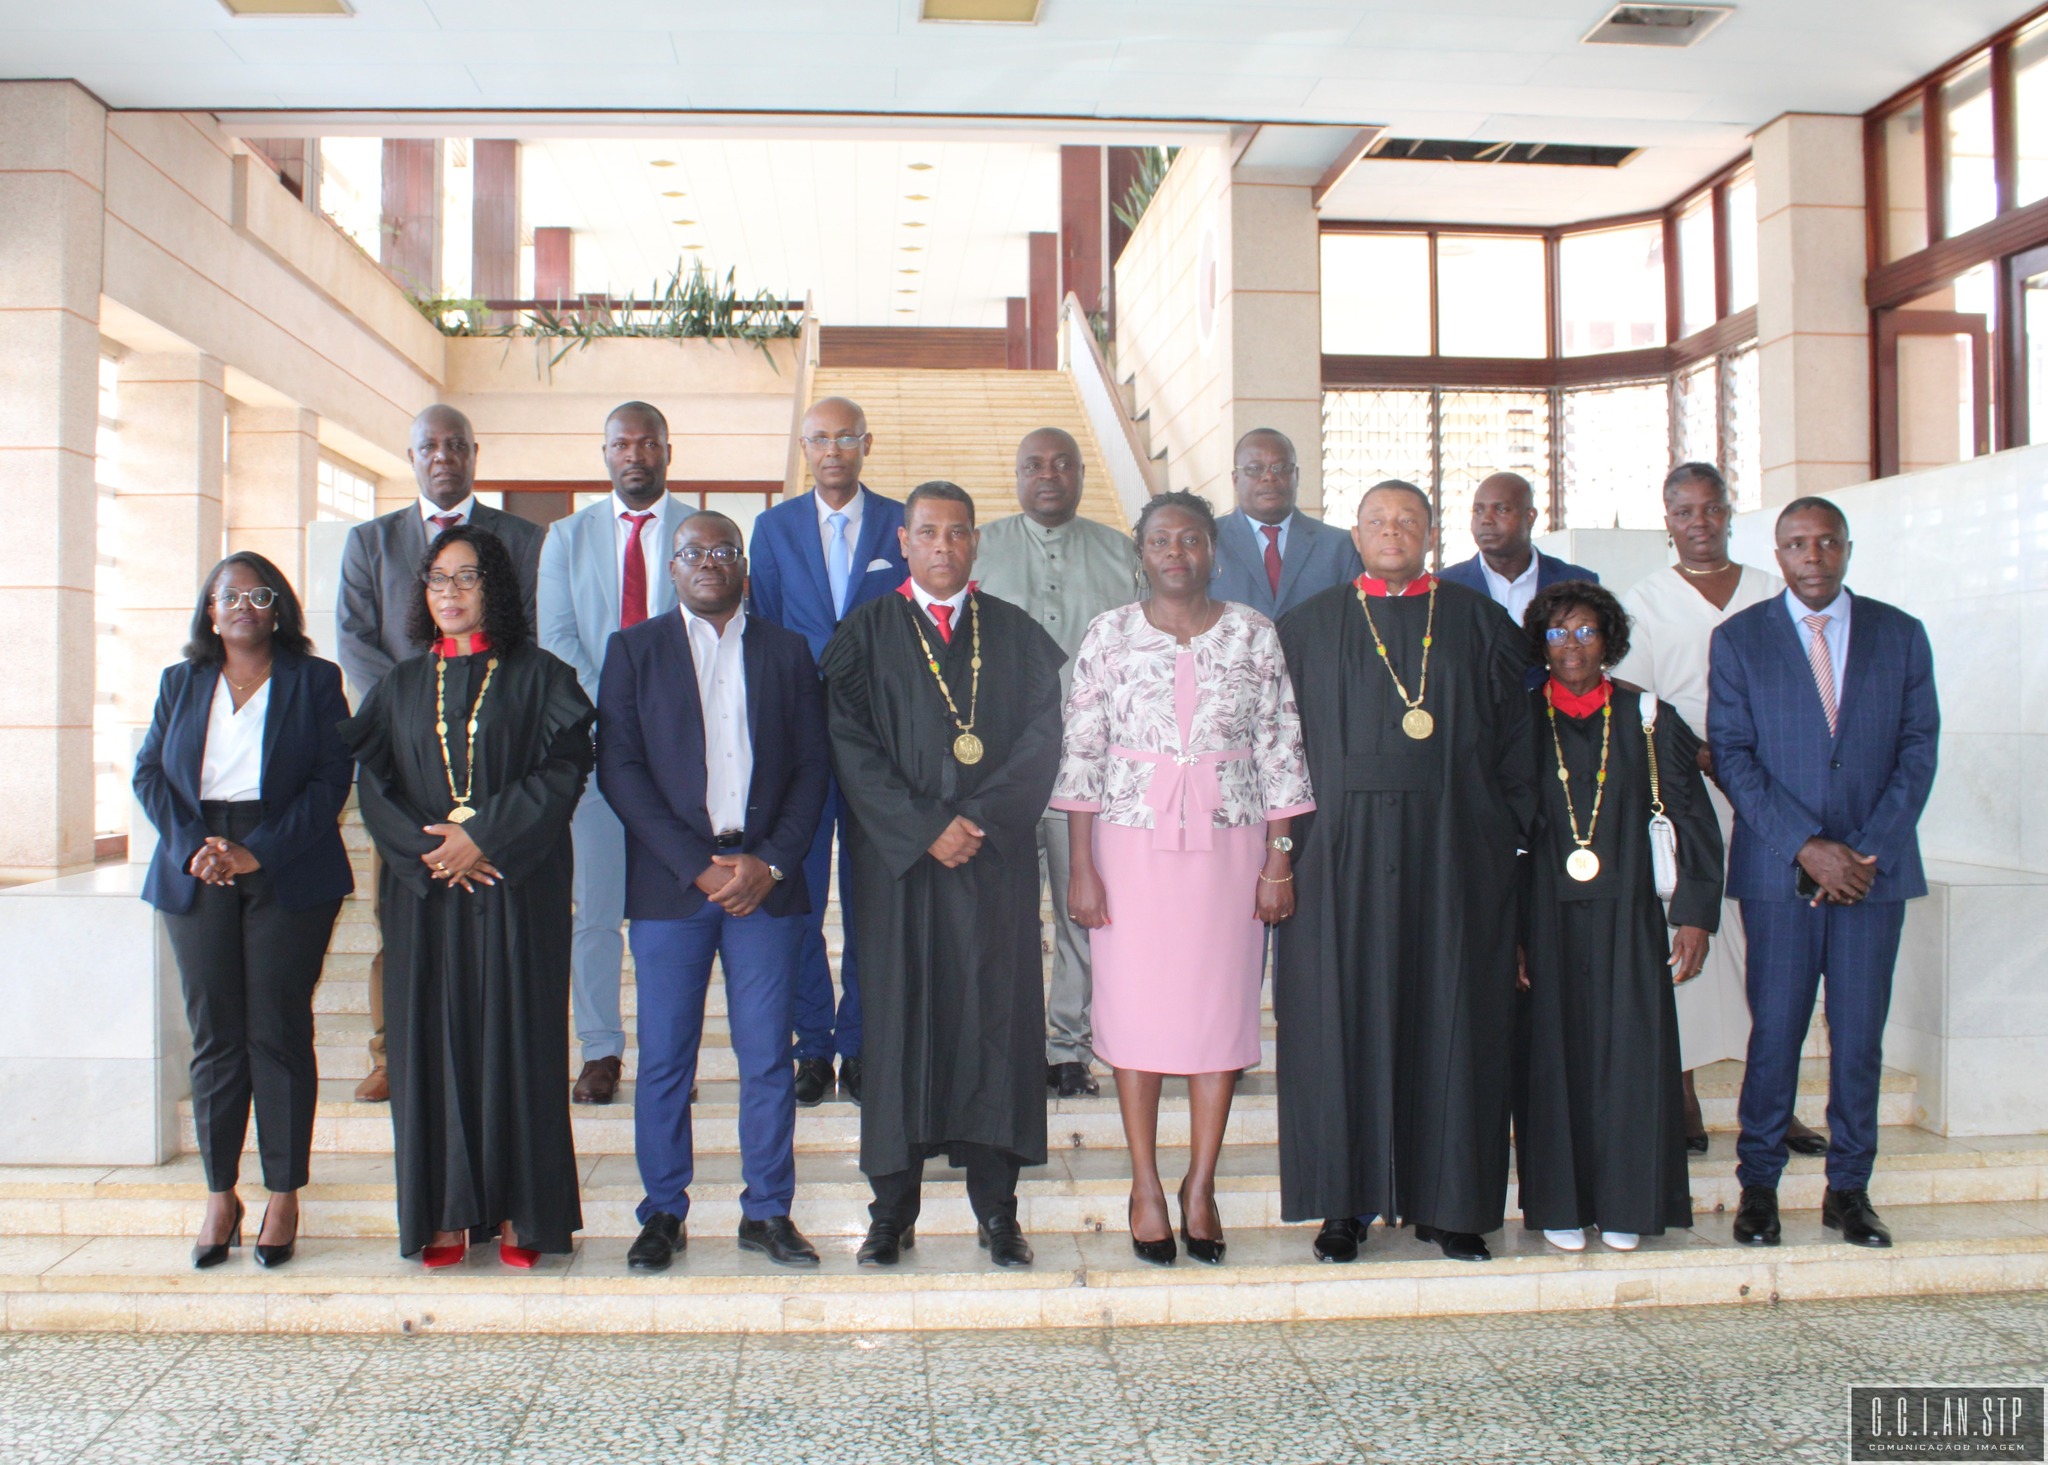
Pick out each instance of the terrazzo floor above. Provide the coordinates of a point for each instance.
(1763, 1383)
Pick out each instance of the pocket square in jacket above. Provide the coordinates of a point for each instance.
(874, 565)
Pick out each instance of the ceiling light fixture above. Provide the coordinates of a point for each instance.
(918, 197)
(332, 9)
(912, 224)
(920, 167)
(682, 221)
(906, 292)
(905, 310)
(1655, 25)
(981, 12)
(913, 249)
(662, 163)
(672, 193)
(910, 272)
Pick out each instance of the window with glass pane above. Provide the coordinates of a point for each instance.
(343, 494)
(1611, 289)
(1616, 444)
(352, 188)
(1490, 295)
(1484, 433)
(1370, 436)
(1905, 182)
(1376, 294)
(2030, 107)
(1938, 390)
(1966, 146)
(1696, 414)
(1696, 265)
(1742, 242)
(1742, 452)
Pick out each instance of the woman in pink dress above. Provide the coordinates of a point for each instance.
(1182, 774)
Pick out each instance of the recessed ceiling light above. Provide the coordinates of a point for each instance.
(906, 292)
(693, 246)
(662, 163)
(913, 249)
(912, 224)
(918, 197)
(983, 12)
(682, 221)
(910, 272)
(672, 193)
(905, 310)
(1655, 25)
(920, 167)
(337, 8)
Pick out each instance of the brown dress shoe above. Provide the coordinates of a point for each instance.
(375, 1087)
(599, 1081)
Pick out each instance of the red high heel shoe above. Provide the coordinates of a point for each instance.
(525, 1258)
(445, 1256)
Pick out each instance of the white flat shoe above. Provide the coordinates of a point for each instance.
(1620, 1240)
(1574, 1240)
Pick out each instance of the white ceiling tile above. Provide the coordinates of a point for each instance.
(326, 46)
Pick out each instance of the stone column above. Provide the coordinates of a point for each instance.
(168, 512)
(1274, 305)
(273, 484)
(52, 221)
(1812, 326)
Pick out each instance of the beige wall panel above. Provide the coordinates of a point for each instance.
(47, 497)
(52, 126)
(45, 826)
(49, 380)
(49, 243)
(49, 678)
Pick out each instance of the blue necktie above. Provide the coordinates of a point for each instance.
(839, 563)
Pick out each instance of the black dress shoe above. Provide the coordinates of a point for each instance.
(1697, 1144)
(885, 1244)
(212, 1256)
(277, 1254)
(849, 1078)
(777, 1238)
(1160, 1253)
(813, 1080)
(1208, 1252)
(1756, 1216)
(1459, 1246)
(1849, 1212)
(1071, 1080)
(1340, 1240)
(1003, 1240)
(1806, 1142)
(659, 1241)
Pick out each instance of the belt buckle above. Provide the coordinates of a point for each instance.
(1186, 760)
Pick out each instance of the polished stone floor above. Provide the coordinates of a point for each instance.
(1764, 1383)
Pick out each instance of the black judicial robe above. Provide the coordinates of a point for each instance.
(1600, 1134)
(951, 974)
(1393, 987)
(476, 986)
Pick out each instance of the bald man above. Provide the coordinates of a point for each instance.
(1509, 569)
(1065, 570)
(815, 557)
(379, 570)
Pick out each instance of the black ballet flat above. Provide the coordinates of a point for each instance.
(212, 1256)
(1696, 1144)
(277, 1255)
(1208, 1252)
(1161, 1253)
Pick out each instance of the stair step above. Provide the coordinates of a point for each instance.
(1075, 1191)
(126, 1283)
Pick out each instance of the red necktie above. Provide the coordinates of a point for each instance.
(633, 593)
(1272, 533)
(443, 523)
(943, 614)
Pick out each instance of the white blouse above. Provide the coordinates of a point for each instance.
(233, 769)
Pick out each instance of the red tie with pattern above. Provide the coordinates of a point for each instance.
(1823, 666)
(633, 590)
(1272, 533)
(943, 614)
(443, 523)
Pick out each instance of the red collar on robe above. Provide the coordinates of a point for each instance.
(908, 593)
(478, 642)
(1573, 704)
(1418, 586)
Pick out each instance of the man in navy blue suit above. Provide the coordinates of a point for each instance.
(816, 557)
(1823, 720)
(1509, 567)
(712, 749)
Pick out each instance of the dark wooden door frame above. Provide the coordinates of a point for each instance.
(1893, 324)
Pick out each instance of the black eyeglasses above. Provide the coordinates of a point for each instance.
(262, 597)
(461, 580)
(1584, 635)
(696, 554)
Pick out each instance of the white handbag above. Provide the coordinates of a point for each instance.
(1663, 833)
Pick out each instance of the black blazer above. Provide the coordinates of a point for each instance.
(650, 762)
(307, 774)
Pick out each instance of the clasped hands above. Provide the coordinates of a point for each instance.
(959, 842)
(1844, 876)
(457, 859)
(218, 861)
(736, 884)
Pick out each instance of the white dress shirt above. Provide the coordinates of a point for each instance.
(722, 693)
(1835, 632)
(1259, 536)
(926, 601)
(651, 548)
(1512, 596)
(852, 530)
(429, 511)
(233, 768)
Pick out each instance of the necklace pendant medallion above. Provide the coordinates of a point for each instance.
(967, 748)
(1417, 723)
(1582, 865)
(461, 814)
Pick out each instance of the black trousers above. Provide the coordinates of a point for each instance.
(249, 967)
(991, 1185)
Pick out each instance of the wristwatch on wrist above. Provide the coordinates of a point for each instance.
(1281, 843)
(776, 871)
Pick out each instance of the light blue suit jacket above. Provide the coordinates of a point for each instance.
(577, 601)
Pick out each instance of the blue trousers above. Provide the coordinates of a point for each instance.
(672, 960)
(596, 949)
(820, 1032)
(1792, 946)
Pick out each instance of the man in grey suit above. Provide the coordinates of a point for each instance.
(1269, 555)
(603, 569)
(379, 580)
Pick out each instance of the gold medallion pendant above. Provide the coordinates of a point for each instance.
(967, 748)
(461, 814)
(1417, 723)
(1582, 865)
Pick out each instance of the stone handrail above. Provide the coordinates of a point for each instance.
(1136, 476)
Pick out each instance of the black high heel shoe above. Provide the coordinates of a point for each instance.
(1160, 1253)
(278, 1255)
(212, 1256)
(1208, 1252)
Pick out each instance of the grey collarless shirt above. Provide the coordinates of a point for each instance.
(1063, 577)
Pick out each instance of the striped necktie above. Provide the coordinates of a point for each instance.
(1823, 666)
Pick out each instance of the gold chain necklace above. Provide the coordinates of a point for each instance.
(1415, 722)
(966, 747)
(237, 686)
(462, 813)
(1582, 864)
(1721, 569)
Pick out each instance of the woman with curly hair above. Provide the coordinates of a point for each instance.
(1600, 1131)
(473, 755)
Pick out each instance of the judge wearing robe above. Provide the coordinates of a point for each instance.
(943, 705)
(1600, 1124)
(472, 757)
(1393, 986)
